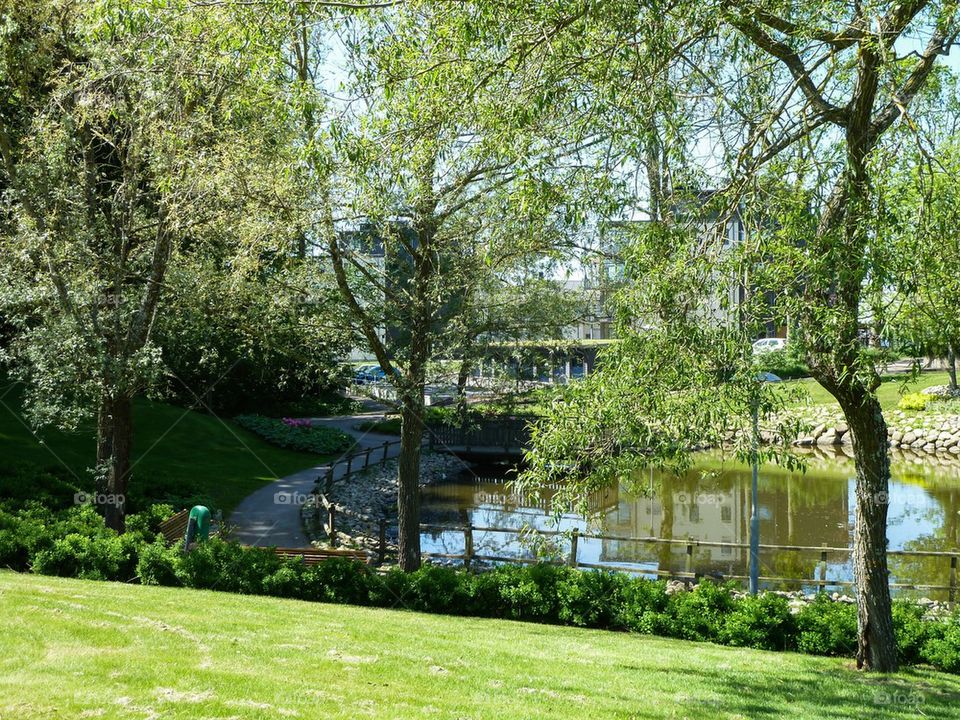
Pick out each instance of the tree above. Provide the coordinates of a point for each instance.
(808, 91)
(416, 195)
(123, 142)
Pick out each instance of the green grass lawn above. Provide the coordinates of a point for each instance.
(173, 447)
(73, 649)
(889, 393)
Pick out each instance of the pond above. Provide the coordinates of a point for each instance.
(710, 505)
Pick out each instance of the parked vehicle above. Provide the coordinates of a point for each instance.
(365, 374)
(766, 345)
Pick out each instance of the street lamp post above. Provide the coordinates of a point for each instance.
(754, 510)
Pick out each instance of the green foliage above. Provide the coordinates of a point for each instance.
(915, 401)
(942, 649)
(320, 440)
(85, 557)
(827, 628)
(764, 621)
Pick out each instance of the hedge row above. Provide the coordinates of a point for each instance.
(321, 440)
(74, 543)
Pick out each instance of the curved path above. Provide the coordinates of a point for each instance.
(271, 515)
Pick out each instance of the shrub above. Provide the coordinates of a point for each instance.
(321, 440)
(761, 621)
(591, 598)
(81, 556)
(912, 631)
(338, 580)
(942, 647)
(287, 581)
(914, 401)
(227, 566)
(643, 604)
(825, 627)
(698, 614)
(519, 593)
(157, 564)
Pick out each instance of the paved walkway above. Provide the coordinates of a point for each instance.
(271, 515)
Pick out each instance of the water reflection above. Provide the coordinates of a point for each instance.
(711, 503)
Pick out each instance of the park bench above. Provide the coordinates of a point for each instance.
(174, 528)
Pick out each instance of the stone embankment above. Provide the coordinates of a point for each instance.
(363, 499)
(930, 432)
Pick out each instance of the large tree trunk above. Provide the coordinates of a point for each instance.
(462, 376)
(952, 366)
(114, 446)
(408, 492)
(876, 645)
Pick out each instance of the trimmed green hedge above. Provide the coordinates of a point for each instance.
(320, 440)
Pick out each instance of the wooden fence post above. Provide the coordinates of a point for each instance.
(386, 447)
(328, 489)
(349, 466)
(953, 578)
(688, 559)
(383, 541)
(366, 462)
(574, 541)
(822, 584)
(467, 546)
(331, 515)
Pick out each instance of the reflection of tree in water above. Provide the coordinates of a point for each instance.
(945, 538)
(797, 508)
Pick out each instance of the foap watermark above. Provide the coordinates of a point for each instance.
(702, 498)
(99, 499)
(900, 698)
(291, 498)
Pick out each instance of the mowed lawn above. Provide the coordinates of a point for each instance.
(74, 649)
(215, 457)
(889, 393)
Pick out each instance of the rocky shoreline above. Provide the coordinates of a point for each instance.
(930, 432)
(363, 499)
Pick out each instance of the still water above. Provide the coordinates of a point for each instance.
(711, 503)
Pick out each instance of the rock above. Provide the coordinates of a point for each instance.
(841, 428)
(955, 449)
(818, 431)
(909, 438)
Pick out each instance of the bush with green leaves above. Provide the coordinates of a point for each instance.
(320, 440)
(917, 401)
(825, 627)
(761, 621)
(942, 647)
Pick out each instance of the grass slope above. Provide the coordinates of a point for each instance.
(216, 458)
(889, 393)
(70, 648)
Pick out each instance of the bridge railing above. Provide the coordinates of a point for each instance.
(501, 434)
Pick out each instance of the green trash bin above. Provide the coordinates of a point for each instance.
(198, 525)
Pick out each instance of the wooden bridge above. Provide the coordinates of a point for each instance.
(486, 439)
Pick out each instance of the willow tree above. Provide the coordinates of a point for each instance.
(810, 91)
(127, 132)
(418, 195)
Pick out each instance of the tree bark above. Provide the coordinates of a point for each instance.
(876, 646)
(462, 376)
(952, 366)
(114, 446)
(408, 491)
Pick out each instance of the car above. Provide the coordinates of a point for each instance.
(365, 374)
(766, 345)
